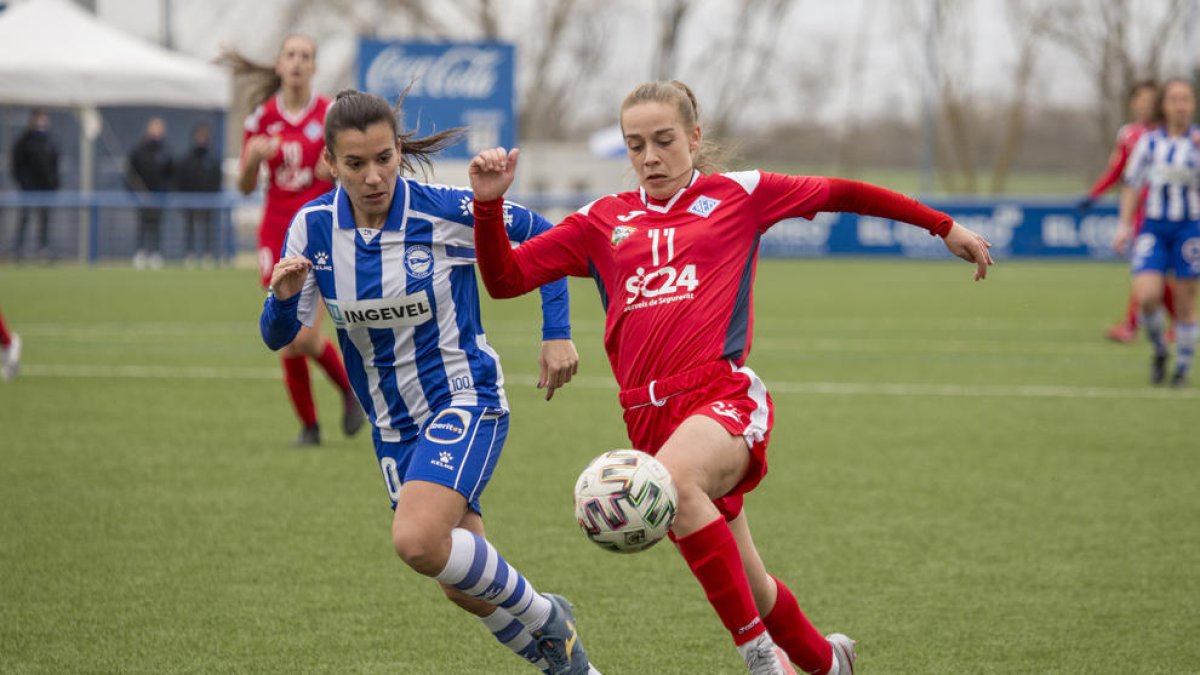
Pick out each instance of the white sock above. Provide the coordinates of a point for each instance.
(510, 633)
(475, 568)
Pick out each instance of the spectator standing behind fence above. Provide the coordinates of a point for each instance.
(35, 167)
(150, 170)
(199, 170)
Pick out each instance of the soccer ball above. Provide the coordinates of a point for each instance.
(625, 501)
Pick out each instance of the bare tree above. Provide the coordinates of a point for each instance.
(671, 17)
(567, 53)
(1098, 34)
(1030, 21)
(739, 59)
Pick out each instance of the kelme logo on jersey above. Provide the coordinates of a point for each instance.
(621, 233)
(320, 262)
(467, 206)
(444, 460)
(406, 310)
(703, 206)
(449, 427)
(418, 260)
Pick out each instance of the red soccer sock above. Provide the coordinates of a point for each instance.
(1169, 299)
(1131, 314)
(331, 363)
(5, 338)
(792, 631)
(713, 557)
(299, 386)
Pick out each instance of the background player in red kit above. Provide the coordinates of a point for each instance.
(675, 262)
(286, 132)
(1143, 116)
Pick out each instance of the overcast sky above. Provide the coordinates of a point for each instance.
(862, 47)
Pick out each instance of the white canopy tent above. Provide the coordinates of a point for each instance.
(54, 53)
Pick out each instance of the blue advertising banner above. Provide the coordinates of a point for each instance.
(454, 84)
(1016, 229)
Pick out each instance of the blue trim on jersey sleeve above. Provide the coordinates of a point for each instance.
(460, 251)
(739, 322)
(279, 323)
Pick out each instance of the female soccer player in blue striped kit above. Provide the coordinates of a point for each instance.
(393, 259)
(1166, 161)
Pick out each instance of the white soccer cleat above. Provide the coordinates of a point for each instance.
(10, 364)
(764, 657)
(843, 654)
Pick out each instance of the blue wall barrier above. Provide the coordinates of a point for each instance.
(1017, 229)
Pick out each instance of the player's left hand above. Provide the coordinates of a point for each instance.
(970, 246)
(491, 172)
(557, 363)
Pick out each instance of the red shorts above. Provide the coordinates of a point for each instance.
(731, 396)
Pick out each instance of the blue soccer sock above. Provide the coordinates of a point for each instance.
(475, 568)
(510, 633)
(1185, 345)
(1156, 330)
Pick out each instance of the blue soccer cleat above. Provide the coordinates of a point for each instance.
(558, 641)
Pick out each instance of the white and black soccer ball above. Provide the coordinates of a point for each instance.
(625, 501)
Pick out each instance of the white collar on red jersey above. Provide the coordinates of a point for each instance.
(671, 202)
(296, 119)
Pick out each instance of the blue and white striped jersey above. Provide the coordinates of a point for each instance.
(1169, 168)
(405, 301)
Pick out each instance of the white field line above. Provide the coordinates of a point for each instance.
(594, 382)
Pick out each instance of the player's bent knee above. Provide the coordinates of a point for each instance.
(425, 554)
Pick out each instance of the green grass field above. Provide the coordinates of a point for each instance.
(964, 477)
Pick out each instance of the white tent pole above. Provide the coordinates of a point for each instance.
(89, 120)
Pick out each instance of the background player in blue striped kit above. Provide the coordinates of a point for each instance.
(1166, 161)
(393, 260)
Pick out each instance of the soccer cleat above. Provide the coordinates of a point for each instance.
(352, 415)
(1121, 332)
(10, 361)
(843, 653)
(764, 657)
(1158, 369)
(310, 436)
(1179, 378)
(558, 642)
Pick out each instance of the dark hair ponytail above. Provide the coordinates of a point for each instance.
(353, 109)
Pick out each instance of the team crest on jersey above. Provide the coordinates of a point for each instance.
(621, 233)
(703, 206)
(274, 128)
(313, 131)
(449, 427)
(321, 262)
(418, 260)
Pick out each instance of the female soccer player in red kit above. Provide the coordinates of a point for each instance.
(674, 262)
(286, 132)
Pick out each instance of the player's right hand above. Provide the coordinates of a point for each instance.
(491, 172)
(1121, 239)
(287, 279)
(970, 246)
(259, 148)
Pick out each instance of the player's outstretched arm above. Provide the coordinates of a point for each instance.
(279, 322)
(970, 246)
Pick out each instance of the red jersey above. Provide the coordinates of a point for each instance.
(1127, 137)
(293, 182)
(676, 279)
